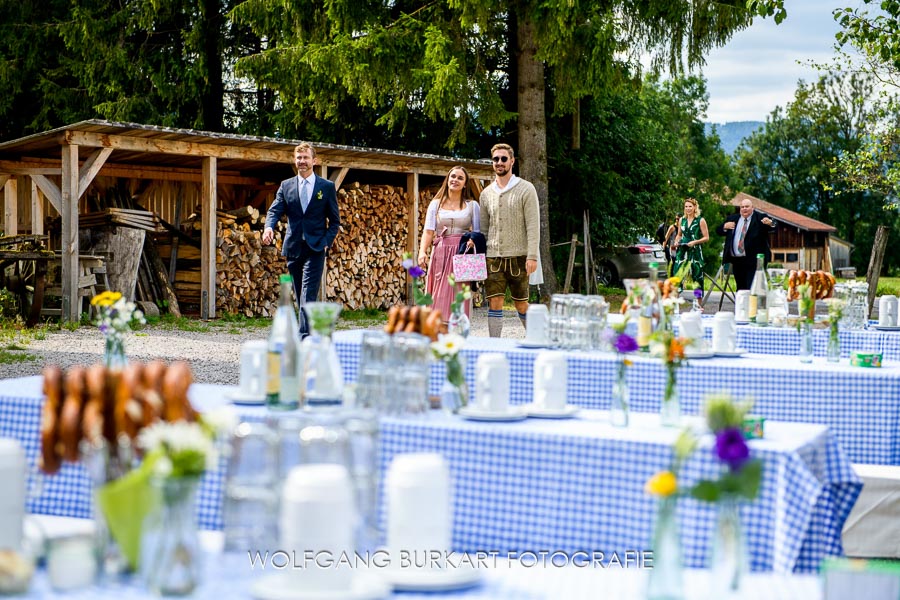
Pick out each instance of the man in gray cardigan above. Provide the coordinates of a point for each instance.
(510, 220)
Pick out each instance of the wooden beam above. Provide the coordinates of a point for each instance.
(159, 146)
(49, 189)
(3, 179)
(338, 177)
(91, 167)
(25, 168)
(10, 207)
(37, 211)
(208, 202)
(71, 301)
(23, 202)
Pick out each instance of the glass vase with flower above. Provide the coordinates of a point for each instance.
(806, 304)
(671, 350)
(836, 308)
(666, 579)
(454, 391)
(459, 321)
(176, 457)
(115, 318)
(416, 274)
(739, 479)
(623, 345)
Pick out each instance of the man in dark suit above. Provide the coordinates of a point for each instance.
(310, 203)
(746, 235)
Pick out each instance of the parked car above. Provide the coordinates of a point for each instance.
(629, 262)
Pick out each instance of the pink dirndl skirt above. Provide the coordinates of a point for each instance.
(440, 268)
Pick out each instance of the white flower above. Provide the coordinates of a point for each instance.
(448, 345)
(221, 420)
(162, 467)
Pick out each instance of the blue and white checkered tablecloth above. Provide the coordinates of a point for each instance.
(579, 485)
(861, 406)
(786, 340)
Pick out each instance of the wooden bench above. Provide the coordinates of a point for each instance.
(92, 280)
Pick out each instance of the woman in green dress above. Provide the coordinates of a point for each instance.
(692, 233)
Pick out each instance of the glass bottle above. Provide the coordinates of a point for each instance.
(618, 410)
(666, 579)
(759, 290)
(171, 557)
(833, 351)
(322, 377)
(282, 387)
(729, 552)
(806, 340)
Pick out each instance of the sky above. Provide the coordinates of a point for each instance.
(757, 69)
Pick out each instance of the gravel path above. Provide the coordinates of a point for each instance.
(213, 355)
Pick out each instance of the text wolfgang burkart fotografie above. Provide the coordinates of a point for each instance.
(427, 559)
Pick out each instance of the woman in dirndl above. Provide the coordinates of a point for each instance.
(452, 212)
(692, 233)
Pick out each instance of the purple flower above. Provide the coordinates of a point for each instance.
(731, 448)
(698, 293)
(416, 272)
(624, 343)
(408, 263)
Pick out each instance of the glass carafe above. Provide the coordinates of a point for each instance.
(321, 379)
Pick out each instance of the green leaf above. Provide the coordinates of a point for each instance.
(706, 490)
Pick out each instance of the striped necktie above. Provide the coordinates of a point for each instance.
(743, 235)
(304, 195)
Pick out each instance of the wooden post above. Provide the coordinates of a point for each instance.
(37, 211)
(588, 262)
(208, 203)
(877, 257)
(10, 207)
(71, 301)
(412, 237)
(572, 245)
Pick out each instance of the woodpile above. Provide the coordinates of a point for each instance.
(363, 270)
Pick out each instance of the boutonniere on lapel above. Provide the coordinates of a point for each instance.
(319, 195)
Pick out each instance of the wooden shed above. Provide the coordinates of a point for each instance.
(799, 242)
(54, 172)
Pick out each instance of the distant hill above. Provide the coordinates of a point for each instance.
(732, 133)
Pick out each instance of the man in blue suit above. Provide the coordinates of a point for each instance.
(310, 203)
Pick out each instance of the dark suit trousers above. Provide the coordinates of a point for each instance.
(743, 268)
(306, 271)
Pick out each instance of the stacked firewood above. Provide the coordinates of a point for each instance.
(364, 267)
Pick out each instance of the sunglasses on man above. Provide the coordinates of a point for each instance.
(502, 159)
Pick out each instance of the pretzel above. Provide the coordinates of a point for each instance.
(51, 459)
(432, 325)
(128, 412)
(412, 319)
(70, 428)
(92, 417)
(393, 319)
(152, 399)
(176, 382)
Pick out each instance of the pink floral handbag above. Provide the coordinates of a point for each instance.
(469, 267)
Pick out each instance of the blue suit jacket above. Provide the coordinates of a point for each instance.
(319, 224)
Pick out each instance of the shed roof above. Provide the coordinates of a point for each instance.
(256, 156)
(784, 215)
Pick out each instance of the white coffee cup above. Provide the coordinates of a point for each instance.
(887, 311)
(724, 332)
(742, 306)
(254, 368)
(536, 323)
(12, 500)
(492, 382)
(691, 325)
(550, 381)
(318, 516)
(419, 509)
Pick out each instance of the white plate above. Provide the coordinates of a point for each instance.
(733, 353)
(513, 413)
(706, 354)
(742, 322)
(432, 580)
(887, 327)
(283, 586)
(530, 344)
(540, 412)
(238, 397)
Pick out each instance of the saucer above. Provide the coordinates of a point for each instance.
(282, 586)
(733, 353)
(540, 412)
(886, 327)
(240, 398)
(704, 354)
(747, 322)
(473, 413)
(432, 580)
(526, 343)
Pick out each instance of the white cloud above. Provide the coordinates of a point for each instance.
(758, 69)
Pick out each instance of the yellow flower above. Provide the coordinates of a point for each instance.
(663, 483)
(627, 362)
(106, 298)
